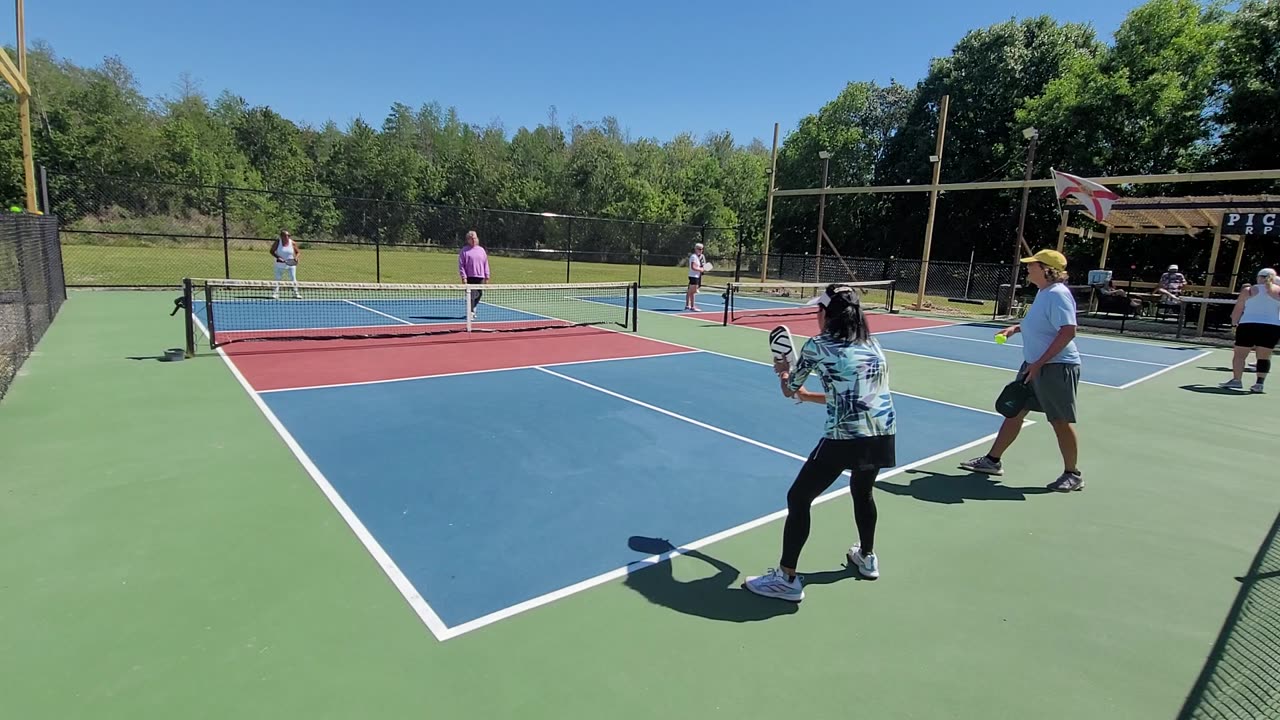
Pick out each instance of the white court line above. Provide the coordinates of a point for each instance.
(940, 359)
(925, 331)
(393, 572)
(1130, 384)
(474, 372)
(376, 312)
(564, 592)
(759, 362)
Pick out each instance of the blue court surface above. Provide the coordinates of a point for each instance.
(485, 500)
(1105, 361)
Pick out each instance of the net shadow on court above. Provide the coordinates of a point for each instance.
(1239, 679)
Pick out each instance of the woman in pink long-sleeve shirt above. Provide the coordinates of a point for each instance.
(473, 266)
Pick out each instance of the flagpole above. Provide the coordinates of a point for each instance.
(1020, 245)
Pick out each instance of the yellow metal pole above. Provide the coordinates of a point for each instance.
(933, 201)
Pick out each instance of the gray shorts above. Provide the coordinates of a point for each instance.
(1055, 391)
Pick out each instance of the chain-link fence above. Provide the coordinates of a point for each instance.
(31, 287)
(129, 232)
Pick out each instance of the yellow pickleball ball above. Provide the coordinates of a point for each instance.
(1000, 339)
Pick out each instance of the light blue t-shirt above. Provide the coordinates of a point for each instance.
(856, 380)
(1053, 308)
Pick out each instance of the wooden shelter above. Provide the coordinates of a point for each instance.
(1234, 217)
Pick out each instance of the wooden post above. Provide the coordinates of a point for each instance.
(1235, 267)
(768, 209)
(24, 117)
(1208, 281)
(1062, 231)
(1106, 247)
(933, 202)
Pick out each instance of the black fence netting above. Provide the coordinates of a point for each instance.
(31, 287)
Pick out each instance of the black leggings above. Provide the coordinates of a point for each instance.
(818, 473)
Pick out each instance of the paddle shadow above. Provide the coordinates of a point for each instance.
(957, 489)
(719, 597)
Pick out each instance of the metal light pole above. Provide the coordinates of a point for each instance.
(822, 207)
(1020, 244)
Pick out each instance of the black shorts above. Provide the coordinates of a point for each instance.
(865, 453)
(695, 281)
(475, 281)
(1263, 335)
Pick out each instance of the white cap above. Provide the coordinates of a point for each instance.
(1173, 268)
(824, 298)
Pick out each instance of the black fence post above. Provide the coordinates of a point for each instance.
(377, 247)
(640, 254)
(568, 253)
(226, 236)
(44, 190)
(737, 263)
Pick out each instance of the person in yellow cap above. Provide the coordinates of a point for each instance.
(1050, 364)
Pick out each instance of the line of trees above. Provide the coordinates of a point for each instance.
(1183, 86)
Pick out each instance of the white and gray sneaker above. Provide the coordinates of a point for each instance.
(1068, 482)
(983, 464)
(1257, 389)
(1231, 385)
(776, 585)
(868, 565)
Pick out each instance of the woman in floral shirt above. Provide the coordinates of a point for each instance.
(859, 435)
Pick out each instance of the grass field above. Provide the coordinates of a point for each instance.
(167, 556)
(122, 265)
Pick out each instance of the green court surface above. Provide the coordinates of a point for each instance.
(166, 556)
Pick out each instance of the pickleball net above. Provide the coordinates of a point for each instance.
(232, 311)
(749, 301)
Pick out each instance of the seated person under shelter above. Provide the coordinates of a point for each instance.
(1171, 284)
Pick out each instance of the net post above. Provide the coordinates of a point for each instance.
(728, 298)
(208, 315)
(188, 318)
(635, 307)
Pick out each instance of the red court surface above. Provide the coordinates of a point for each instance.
(277, 365)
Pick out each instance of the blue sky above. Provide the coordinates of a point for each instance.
(660, 67)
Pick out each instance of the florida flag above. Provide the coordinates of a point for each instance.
(1096, 198)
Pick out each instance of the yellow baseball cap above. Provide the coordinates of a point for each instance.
(1052, 258)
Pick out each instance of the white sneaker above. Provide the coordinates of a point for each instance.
(1231, 385)
(1257, 389)
(868, 565)
(775, 584)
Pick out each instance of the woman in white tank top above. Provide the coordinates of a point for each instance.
(1256, 318)
(286, 253)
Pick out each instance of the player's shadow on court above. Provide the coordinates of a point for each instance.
(718, 597)
(956, 489)
(1215, 390)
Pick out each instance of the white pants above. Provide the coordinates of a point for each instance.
(292, 272)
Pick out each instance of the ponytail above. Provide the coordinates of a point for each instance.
(845, 320)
